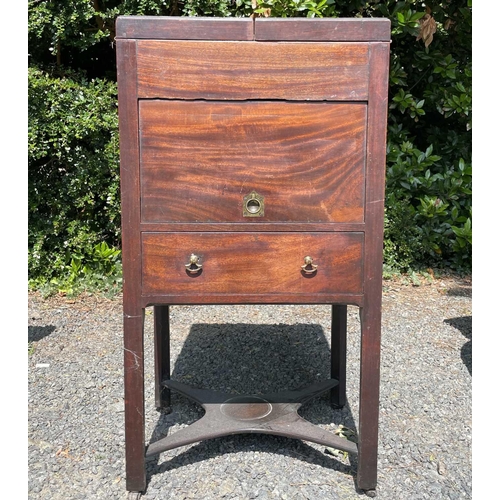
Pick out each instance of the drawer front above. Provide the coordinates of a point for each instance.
(252, 70)
(251, 263)
(200, 159)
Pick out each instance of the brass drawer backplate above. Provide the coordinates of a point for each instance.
(253, 205)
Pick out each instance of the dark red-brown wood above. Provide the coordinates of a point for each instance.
(199, 160)
(184, 28)
(372, 310)
(254, 224)
(240, 70)
(248, 298)
(211, 109)
(162, 356)
(260, 29)
(133, 314)
(339, 354)
(252, 263)
(323, 30)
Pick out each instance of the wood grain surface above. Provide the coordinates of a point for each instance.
(212, 109)
(279, 29)
(371, 313)
(133, 340)
(323, 30)
(252, 70)
(251, 263)
(184, 28)
(199, 159)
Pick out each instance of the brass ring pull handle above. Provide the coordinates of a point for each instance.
(309, 267)
(253, 205)
(194, 265)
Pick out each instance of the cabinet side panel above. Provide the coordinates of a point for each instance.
(375, 173)
(372, 308)
(133, 343)
(129, 170)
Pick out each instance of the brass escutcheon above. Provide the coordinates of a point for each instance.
(253, 205)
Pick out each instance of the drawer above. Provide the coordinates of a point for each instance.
(198, 161)
(250, 70)
(252, 263)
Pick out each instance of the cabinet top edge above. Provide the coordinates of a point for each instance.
(260, 29)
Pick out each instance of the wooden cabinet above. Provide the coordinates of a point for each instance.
(252, 171)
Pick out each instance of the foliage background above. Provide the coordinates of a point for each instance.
(73, 156)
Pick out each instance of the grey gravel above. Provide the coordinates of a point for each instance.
(76, 436)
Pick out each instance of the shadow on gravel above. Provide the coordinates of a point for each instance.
(252, 359)
(460, 291)
(247, 443)
(36, 333)
(464, 325)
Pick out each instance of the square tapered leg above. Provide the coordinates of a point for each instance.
(338, 354)
(133, 327)
(162, 356)
(369, 400)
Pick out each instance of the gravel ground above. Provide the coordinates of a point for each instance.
(76, 437)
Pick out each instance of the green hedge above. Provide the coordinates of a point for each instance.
(73, 183)
(74, 225)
